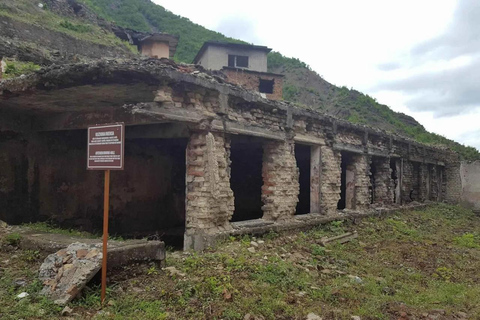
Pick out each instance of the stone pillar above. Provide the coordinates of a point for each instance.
(3, 67)
(453, 182)
(280, 180)
(441, 184)
(362, 181)
(384, 186)
(209, 198)
(411, 184)
(315, 179)
(434, 187)
(423, 178)
(331, 179)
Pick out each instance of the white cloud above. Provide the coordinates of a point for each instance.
(359, 44)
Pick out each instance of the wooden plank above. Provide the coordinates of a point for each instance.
(346, 237)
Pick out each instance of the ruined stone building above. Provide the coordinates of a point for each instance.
(204, 156)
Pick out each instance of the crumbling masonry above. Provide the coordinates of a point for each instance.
(177, 180)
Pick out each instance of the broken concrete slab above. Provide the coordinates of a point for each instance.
(65, 273)
(119, 252)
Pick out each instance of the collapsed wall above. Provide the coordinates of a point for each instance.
(193, 141)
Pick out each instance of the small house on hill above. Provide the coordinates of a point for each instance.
(243, 64)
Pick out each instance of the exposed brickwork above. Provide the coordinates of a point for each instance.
(434, 187)
(251, 81)
(383, 184)
(330, 180)
(280, 180)
(361, 165)
(453, 182)
(210, 202)
(423, 181)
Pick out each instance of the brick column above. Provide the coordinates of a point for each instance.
(407, 182)
(384, 186)
(362, 181)
(280, 180)
(331, 179)
(423, 178)
(209, 198)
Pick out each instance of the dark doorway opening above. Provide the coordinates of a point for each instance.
(373, 174)
(246, 155)
(393, 167)
(347, 159)
(150, 192)
(147, 198)
(303, 157)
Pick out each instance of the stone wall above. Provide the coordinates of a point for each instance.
(470, 179)
(383, 187)
(209, 199)
(361, 164)
(330, 179)
(453, 182)
(280, 180)
(251, 81)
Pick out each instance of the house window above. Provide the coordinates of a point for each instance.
(266, 86)
(237, 61)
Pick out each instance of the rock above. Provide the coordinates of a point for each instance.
(356, 318)
(261, 242)
(22, 295)
(388, 291)
(20, 283)
(174, 272)
(251, 249)
(254, 244)
(301, 294)
(313, 316)
(462, 315)
(67, 311)
(66, 272)
(355, 278)
(438, 311)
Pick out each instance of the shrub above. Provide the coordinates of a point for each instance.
(13, 239)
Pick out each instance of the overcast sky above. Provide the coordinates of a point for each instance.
(418, 57)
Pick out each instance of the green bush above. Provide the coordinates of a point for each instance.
(13, 239)
(75, 27)
(468, 240)
(17, 68)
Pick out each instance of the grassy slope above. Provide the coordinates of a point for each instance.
(414, 262)
(27, 11)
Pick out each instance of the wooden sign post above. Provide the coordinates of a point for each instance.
(106, 147)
